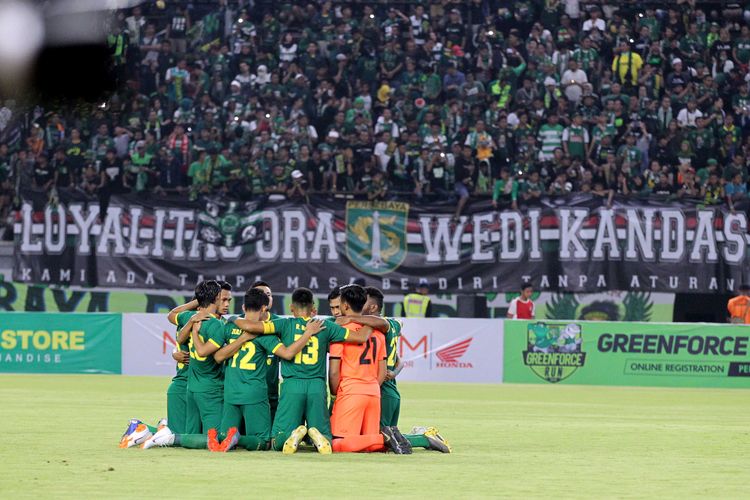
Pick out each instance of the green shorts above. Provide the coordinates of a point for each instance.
(203, 411)
(300, 401)
(257, 417)
(177, 406)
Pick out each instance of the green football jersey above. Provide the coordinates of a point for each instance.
(391, 343)
(272, 373)
(182, 369)
(204, 373)
(245, 373)
(310, 362)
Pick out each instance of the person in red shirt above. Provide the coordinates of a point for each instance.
(522, 307)
(355, 375)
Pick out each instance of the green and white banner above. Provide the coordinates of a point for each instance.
(60, 343)
(638, 354)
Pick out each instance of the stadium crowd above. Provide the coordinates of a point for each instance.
(445, 99)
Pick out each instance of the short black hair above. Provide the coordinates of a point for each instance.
(224, 285)
(260, 283)
(302, 297)
(355, 296)
(335, 293)
(255, 300)
(206, 292)
(376, 295)
(526, 285)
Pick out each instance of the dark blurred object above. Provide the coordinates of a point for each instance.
(68, 49)
(74, 71)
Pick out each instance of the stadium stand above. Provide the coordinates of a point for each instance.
(403, 100)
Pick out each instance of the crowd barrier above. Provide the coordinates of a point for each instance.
(433, 350)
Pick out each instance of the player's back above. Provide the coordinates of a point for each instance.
(310, 362)
(204, 373)
(359, 364)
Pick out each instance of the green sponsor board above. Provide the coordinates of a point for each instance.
(638, 354)
(60, 343)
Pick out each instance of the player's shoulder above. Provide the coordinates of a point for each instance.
(215, 323)
(353, 326)
(184, 316)
(282, 321)
(267, 342)
(395, 324)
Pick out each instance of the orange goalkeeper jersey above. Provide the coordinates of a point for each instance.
(359, 364)
(739, 308)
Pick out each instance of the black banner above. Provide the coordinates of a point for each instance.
(575, 243)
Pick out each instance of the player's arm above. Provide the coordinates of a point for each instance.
(382, 370)
(334, 375)
(190, 306)
(181, 356)
(184, 334)
(360, 336)
(390, 375)
(203, 349)
(375, 322)
(511, 310)
(287, 353)
(232, 348)
(257, 327)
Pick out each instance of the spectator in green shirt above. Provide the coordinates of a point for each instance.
(505, 192)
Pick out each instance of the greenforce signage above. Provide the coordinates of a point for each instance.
(645, 354)
(60, 343)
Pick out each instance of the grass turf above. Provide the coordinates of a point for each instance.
(61, 435)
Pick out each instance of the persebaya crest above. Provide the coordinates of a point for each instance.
(376, 235)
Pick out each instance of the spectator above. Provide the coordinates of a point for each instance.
(467, 175)
(522, 307)
(735, 191)
(688, 115)
(505, 191)
(627, 65)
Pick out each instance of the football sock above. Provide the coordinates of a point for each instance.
(417, 440)
(151, 428)
(191, 441)
(277, 443)
(252, 443)
(368, 443)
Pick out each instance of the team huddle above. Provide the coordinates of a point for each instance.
(227, 392)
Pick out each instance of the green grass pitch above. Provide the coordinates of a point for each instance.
(61, 433)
